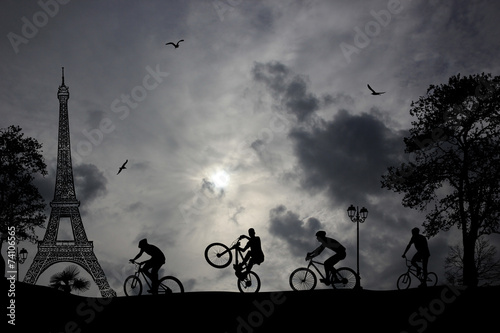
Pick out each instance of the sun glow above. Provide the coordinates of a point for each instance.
(221, 178)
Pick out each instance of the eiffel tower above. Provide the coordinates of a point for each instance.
(63, 206)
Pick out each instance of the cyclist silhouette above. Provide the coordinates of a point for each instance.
(153, 264)
(255, 255)
(335, 246)
(422, 254)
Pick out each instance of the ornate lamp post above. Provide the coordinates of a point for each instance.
(357, 216)
(20, 258)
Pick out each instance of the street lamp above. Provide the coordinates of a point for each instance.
(20, 258)
(357, 216)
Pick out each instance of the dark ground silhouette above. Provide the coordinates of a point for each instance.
(437, 309)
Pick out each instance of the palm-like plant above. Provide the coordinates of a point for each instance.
(68, 280)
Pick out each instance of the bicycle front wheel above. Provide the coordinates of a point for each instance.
(250, 284)
(404, 281)
(348, 279)
(132, 286)
(169, 285)
(218, 255)
(303, 279)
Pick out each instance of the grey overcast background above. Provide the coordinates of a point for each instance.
(261, 118)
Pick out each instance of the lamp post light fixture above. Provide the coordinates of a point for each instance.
(357, 216)
(20, 258)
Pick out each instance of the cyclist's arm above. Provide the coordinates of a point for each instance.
(317, 251)
(407, 248)
(137, 256)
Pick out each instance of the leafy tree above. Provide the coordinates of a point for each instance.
(21, 204)
(488, 267)
(453, 169)
(68, 280)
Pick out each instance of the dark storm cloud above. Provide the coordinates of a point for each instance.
(289, 89)
(346, 156)
(90, 182)
(297, 233)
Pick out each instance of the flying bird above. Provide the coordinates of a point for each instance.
(175, 45)
(122, 167)
(375, 92)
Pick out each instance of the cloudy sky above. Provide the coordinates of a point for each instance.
(261, 118)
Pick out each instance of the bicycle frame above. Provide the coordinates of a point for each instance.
(313, 262)
(413, 270)
(237, 252)
(139, 272)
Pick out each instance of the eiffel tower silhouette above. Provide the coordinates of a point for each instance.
(63, 206)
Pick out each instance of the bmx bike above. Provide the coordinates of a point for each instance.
(404, 279)
(304, 278)
(166, 284)
(219, 255)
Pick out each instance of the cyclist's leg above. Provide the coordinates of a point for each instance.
(333, 261)
(425, 261)
(146, 267)
(414, 261)
(154, 275)
(328, 264)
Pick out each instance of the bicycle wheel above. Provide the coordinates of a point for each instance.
(404, 281)
(432, 279)
(214, 256)
(303, 279)
(250, 284)
(348, 279)
(169, 285)
(132, 286)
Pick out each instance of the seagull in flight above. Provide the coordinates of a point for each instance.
(175, 45)
(374, 92)
(122, 167)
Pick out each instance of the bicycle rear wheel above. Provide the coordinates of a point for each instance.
(132, 286)
(404, 281)
(169, 285)
(348, 279)
(250, 284)
(218, 255)
(303, 279)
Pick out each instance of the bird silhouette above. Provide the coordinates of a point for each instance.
(375, 92)
(175, 45)
(122, 167)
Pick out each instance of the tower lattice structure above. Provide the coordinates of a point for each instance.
(80, 250)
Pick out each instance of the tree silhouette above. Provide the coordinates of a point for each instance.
(68, 280)
(21, 204)
(453, 170)
(488, 267)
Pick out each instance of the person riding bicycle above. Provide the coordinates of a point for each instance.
(154, 263)
(422, 254)
(335, 246)
(255, 255)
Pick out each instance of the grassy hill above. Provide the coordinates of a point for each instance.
(437, 309)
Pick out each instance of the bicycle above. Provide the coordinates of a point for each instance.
(219, 255)
(304, 278)
(166, 285)
(404, 279)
